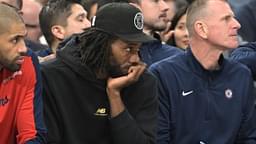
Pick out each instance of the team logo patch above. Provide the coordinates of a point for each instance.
(15, 74)
(101, 112)
(228, 93)
(4, 101)
(138, 21)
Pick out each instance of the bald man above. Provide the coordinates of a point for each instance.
(20, 108)
(31, 10)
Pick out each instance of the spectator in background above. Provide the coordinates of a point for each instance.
(17, 4)
(31, 10)
(179, 38)
(246, 54)
(96, 90)
(30, 14)
(91, 6)
(172, 9)
(155, 20)
(166, 33)
(205, 98)
(246, 15)
(42, 2)
(20, 104)
(58, 21)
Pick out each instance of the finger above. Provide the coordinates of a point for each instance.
(169, 35)
(142, 69)
(136, 71)
(168, 27)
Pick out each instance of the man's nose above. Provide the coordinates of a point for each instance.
(22, 47)
(87, 23)
(134, 58)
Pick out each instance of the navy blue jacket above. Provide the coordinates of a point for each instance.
(155, 51)
(34, 46)
(246, 54)
(38, 103)
(44, 52)
(201, 106)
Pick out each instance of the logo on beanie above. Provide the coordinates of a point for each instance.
(138, 21)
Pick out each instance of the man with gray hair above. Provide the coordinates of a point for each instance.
(205, 98)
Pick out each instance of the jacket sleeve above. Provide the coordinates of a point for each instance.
(31, 109)
(165, 128)
(247, 132)
(246, 54)
(139, 129)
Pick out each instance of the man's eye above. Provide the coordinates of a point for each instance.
(128, 49)
(180, 27)
(14, 41)
(80, 19)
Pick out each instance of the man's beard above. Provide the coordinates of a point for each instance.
(157, 27)
(13, 67)
(115, 71)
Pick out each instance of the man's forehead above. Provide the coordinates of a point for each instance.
(77, 8)
(15, 29)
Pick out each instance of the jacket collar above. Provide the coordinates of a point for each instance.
(198, 69)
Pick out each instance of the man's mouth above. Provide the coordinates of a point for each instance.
(20, 60)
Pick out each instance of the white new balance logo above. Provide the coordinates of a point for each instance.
(186, 93)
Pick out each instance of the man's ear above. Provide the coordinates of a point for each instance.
(201, 29)
(136, 5)
(58, 32)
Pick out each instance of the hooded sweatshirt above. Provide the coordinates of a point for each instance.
(77, 110)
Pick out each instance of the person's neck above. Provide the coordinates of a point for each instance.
(148, 32)
(54, 46)
(206, 55)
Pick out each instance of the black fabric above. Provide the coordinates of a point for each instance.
(77, 109)
(122, 20)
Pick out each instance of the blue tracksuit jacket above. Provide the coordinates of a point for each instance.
(246, 54)
(155, 51)
(198, 106)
